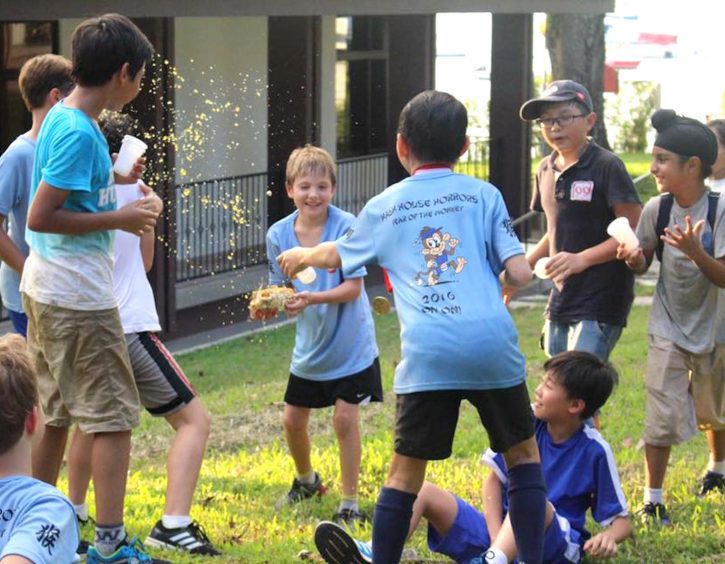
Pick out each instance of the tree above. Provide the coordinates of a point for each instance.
(576, 49)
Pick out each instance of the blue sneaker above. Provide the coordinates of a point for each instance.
(130, 551)
(337, 546)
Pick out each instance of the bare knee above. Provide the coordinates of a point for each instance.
(525, 452)
(295, 419)
(345, 421)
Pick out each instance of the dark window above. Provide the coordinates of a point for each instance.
(19, 41)
(361, 85)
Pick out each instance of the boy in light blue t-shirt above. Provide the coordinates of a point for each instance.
(335, 358)
(43, 81)
(444, 239)
(37, 523)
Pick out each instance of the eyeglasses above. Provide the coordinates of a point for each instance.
(563, 121)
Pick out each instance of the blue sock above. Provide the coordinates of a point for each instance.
(527, 508)
(391, 521)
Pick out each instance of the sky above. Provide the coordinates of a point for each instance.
(692, 82)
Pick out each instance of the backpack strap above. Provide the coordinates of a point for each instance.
(663, 220)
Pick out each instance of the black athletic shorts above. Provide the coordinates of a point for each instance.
(356, 388)
(425, 422)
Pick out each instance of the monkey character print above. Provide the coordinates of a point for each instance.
(438, 250)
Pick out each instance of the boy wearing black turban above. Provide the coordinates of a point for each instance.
(685, 383)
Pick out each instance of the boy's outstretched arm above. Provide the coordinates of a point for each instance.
(492, 505)
(324, 255)
(47, 215)
(517, 272)
(604, 544)
(348, 291)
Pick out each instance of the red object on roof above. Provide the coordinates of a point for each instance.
(657, 38)
(623, 65)
(611, 79)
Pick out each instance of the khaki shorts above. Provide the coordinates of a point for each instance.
(84, 374)
(685, 391)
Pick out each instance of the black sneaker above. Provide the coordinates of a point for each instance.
(711, 481)
(83, 546)
(350, 518)
(655, 513)
(191, 538)
(336, 546)
(300, 491)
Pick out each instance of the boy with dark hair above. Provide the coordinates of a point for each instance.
(335, 357)
(581, 188)
(444, 238)
(684, 227)
(38, 524)
(74, 331)
(43, 81)
(580, 475)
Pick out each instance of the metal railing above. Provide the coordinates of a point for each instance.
(475, 161)
(359, 179)
(221, 225)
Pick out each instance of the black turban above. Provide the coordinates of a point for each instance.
(684, 136)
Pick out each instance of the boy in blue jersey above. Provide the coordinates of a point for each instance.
(43, 80)
(37, 523)
(580, 475)
(74, 330)
(335, 358)
(444, 239)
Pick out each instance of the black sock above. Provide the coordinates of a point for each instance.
(391, 522)
(527, 508)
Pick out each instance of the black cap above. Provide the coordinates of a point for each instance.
(557, 91)
(684, 136)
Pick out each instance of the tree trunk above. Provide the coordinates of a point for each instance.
(576, 48)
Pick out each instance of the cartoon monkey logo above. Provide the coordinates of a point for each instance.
(438, 249)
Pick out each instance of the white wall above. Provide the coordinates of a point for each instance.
(221, 97)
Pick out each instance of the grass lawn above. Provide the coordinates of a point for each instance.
(247, 466)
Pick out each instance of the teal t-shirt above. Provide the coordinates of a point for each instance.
(444, 238)
(72, 154)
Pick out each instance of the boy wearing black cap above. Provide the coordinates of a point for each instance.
(581, 188)
(685, 385)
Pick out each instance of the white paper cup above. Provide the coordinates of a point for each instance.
(307, 276)
(131, 149)
(622, 232)
(540, 268)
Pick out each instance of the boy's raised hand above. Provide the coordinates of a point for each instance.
(634, 259)
(602, 545)
(136, 172)
(136, 218)
(688, 240)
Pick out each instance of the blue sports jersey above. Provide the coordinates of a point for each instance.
(444, 238)
(36, 521)
(16, 175)
(580, 474)
(332, 340)
(72, 154)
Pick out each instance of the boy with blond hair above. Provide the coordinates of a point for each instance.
(43, 81)
(38, 524)
(335, 358)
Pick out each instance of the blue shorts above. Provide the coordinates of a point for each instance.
(19, 321)
(587, 335)
(468, 538)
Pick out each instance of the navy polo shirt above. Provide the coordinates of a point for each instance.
(579, 205)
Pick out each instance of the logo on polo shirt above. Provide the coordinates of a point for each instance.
(581, 191)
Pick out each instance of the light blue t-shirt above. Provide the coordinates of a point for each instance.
(16, 176)
(443, 238)
(36, 522)
(72, 154)
(333, 340)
